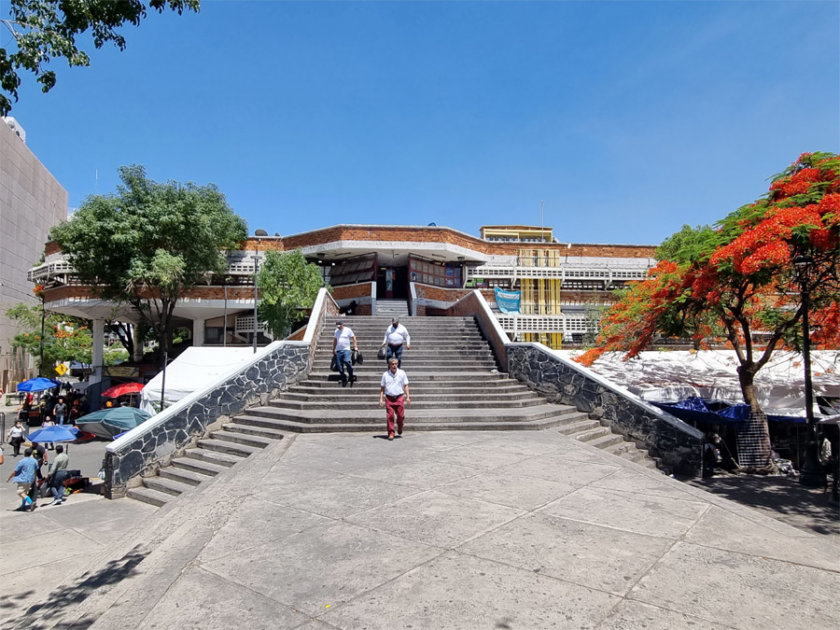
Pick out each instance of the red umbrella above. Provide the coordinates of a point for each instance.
(122, 389)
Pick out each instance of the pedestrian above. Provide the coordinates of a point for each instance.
(48, 422)
(396, 338)
(342, 340)
(75, 412)
(24, 476)
(57, 474)
(16, 437)
(39, 454)
(60, 411)
(395, 395)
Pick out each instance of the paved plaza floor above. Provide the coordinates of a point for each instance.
(517, 530)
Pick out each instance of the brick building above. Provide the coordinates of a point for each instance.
(562, 285)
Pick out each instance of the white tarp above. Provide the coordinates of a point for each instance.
(194, 370)
(674, 375)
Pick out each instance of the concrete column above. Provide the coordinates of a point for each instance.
(98, 349)
(198, 333)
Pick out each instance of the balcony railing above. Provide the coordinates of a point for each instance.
(606, 275)
(550, 324)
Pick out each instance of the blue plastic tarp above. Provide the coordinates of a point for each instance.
(697, 410)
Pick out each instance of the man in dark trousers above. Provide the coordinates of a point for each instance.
(57, 474)
(342, 340)
(396, 339)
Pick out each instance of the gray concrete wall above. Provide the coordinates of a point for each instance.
(163, 436)
(31, 202)
(676, 445)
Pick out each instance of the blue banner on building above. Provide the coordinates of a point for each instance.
(507, 301)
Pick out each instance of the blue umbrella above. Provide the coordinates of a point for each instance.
(37, 384)
(57, 433)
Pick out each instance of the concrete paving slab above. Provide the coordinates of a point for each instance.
(620, 547)
(630, 615)
(568, 550)
(648, 482)
(428, 518)
(646, 514)
(743, 590)
(323, 566)
(509, 490)
(578, 473)
(337, 497)
(276, 524)
(423, 475)
(201, 600)
(457, 592)
(725, 530)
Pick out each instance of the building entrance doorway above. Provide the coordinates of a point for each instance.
(392, 283)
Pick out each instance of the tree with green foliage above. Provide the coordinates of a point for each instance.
(47, 29)
(738, 283)
(65, 338)
(149, 243)
(288, 285)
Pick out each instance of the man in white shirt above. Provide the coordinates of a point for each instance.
(394, 394)
(341, 347)
(396, 338)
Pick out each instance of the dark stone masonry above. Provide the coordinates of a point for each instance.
(183, 423)
(675, 444)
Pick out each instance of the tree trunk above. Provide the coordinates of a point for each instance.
(137, 338)
(754, 452)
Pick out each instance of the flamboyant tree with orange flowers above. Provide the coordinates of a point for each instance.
(737, 282)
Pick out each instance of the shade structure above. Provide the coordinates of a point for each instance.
(37, 384)
(122, 389)
(57, 433)
(106, 423)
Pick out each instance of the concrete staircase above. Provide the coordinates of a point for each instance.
(455, 385)
(454, 380)
(391, 308)
(215, 453)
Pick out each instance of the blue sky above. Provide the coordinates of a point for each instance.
(627, 119)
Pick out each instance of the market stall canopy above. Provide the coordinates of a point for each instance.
(106, 423)
(122, 389)
(37, 384)
(194, 370)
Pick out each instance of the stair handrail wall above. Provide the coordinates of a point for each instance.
(676, 445)
(154, 443)
(474, 304)
(325, 307)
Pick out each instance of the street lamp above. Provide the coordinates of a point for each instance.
(810, 472)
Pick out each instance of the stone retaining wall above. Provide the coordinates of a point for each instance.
(676, 445)
(179, 426)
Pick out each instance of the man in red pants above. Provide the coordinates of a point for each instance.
(394, 394)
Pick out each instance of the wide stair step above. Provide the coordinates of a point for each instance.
(214, 455)
(594, 433)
